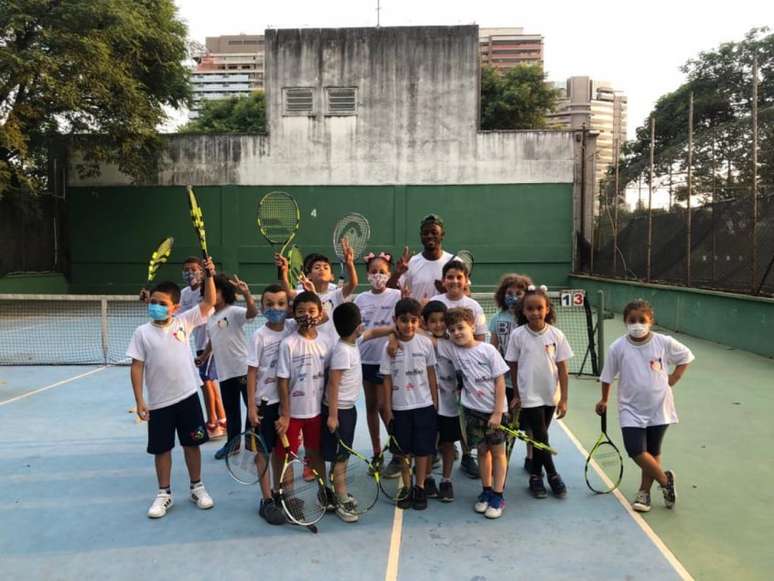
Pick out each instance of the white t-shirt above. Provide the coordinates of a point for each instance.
(408, 371)
(446, 376)
(226, 332)
(377, 310)
(644, 395)
(190, 298)
(263, 355)
(170, 375)
(302, 361)
(330, 300)
(346, 358)
(537, 355)
(480, 366)
(331, 287)
(466, 303)
(423, 273)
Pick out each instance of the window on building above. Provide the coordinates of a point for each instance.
(298, 100)
(341, 100)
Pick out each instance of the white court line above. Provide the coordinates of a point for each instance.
(52, 386)
(393, 556)
(649, 532)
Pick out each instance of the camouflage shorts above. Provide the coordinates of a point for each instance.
(477, 429)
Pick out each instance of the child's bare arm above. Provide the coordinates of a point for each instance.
(284, 418)
(387, 391)
(252, 381)
(516, 401)
(349, 265)
(497, 416)
(208, 301)
(601, 406)
(677, 374)
(433, 381)
(334, 379)
(136, 373)
(282, 264)
(564, 377)
(377, 333)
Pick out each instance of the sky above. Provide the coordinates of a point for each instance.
(639, 47)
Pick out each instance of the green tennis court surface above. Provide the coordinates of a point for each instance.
(75, 483)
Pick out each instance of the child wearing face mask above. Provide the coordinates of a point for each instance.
(641, 361)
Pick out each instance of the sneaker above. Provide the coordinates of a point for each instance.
(308, 472)
(528, 465)
(483, 502)
(271, 513)
(641, 502)
(446, 492)
(201, 497)
(557, 486)
(161, 504)
(331, 502)
(406, 498)
(393, 469)
(420, 499)
(431, 489)
(221, 453)
(536, 487)
(216, 433)
(346, 512)
(670, 490)
(496, 506)
(469, 466)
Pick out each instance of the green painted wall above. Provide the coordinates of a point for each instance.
(527, 228)
(48, 283)
(739, 321)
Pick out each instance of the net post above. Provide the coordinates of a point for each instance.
(601, 329)
(104, 329)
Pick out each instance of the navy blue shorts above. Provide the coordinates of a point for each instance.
(371, 374)
(329, 443)
(270, 414)
(449, 429)
(184, 417)
(416, 430)
(638, 440)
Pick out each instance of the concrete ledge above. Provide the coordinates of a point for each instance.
(28, 283)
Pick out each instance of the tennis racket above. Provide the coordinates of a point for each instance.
(359, 476)
(395, 489)
(304, 503)
(604, 466)
(356, 229)
(247, 456)
(466, 258)
(278, 219)
(295, 265)
(159, 257)
(521, 435)
(197, 219)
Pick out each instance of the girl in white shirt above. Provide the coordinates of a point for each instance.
(646, 407)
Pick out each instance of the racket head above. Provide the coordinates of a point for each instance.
(278, 217)
(247, 457)
(304, 502)
(394, 489)
(604, 467)
(160, 256)
(466, 258)
(359, 474)
(295, 265)
(197, 219)
(356, 229)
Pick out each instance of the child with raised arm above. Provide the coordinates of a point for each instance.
(163, 362)
(641, 361)
(538, 353)
(411, 399)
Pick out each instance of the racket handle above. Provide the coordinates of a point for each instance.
(603, 421)
(206, 272)
(284, 441)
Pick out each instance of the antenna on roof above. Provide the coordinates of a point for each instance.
(378, 13)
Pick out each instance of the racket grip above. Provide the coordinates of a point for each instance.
(604, 422)
(284, 441)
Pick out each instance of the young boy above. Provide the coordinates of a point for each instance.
(411, 398)
(483, 402)
(455, 279)
(162, 358)
(262, 358)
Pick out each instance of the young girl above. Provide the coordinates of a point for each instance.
(646, 407)
(376, 308)
(225, 329)
(538, 353)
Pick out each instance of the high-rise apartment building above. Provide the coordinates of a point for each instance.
(230, 66)
(504, 48)
(597, 106)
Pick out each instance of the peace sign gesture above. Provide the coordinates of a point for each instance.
(401, 267)
(240, 286)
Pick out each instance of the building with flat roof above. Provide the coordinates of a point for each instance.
(505, 48)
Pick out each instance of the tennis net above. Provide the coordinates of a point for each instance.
(96, 329)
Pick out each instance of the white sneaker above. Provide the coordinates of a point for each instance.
(482, 503)
(346, 511)
(161, 504)
(200, 496)
(641, 502)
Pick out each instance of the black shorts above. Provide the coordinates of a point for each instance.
(185, 417)
(270, 414)
(416, 430)
(449, 429)
(329, 443)
(509, 393)
(371, 374)
(638, 440)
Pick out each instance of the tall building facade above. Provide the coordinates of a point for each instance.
(230, 66)
(505, 48)
(597, 106)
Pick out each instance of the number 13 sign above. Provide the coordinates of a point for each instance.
(572, 298)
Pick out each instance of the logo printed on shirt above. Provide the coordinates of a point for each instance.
(656, 365)
(298, 393)
(223, 323)
(551, 349)
(180, 335)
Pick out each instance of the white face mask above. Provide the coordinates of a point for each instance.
(638, 330)
(378, 281)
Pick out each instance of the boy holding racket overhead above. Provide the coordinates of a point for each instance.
(162, 360)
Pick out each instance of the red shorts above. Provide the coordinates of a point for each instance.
(311, 429)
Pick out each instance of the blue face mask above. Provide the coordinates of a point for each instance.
(511, 301)
(158, 312)
(275, 316)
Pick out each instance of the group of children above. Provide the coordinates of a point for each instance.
(426, 372)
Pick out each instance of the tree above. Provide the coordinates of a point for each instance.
(98, 72)
(244, 114)
(517, 99)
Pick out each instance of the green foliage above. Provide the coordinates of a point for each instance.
(98, 72)
(517, 99)
(244, 114)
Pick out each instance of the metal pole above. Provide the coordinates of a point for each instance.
(690, 190)
(650, 198)
(755, 174)
(616, 200)
(601, 330)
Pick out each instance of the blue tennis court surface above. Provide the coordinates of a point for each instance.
(75, 483)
